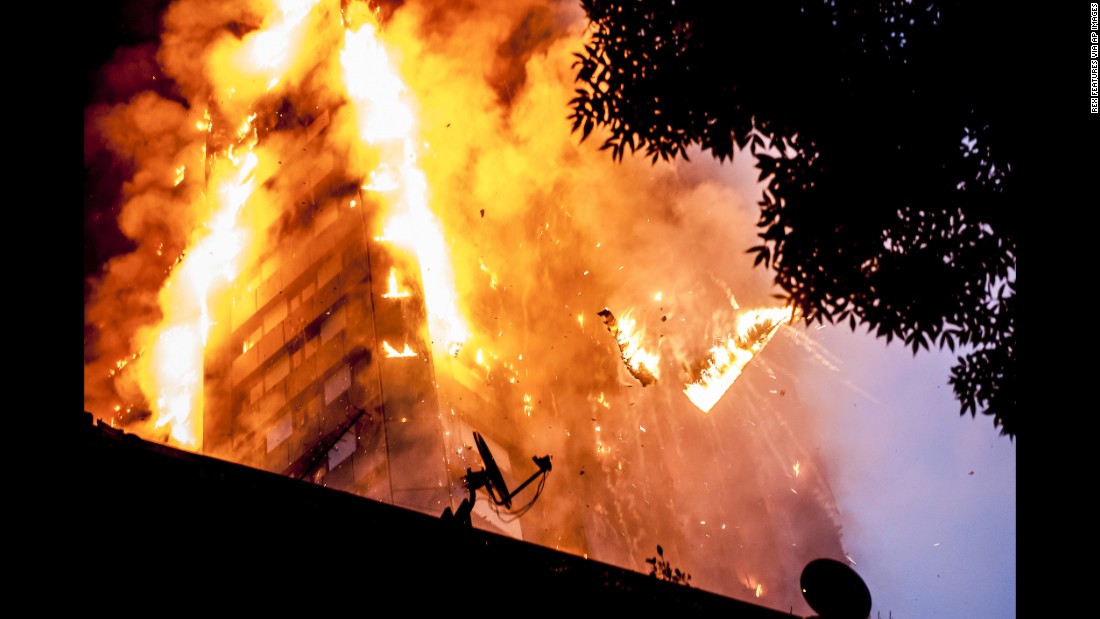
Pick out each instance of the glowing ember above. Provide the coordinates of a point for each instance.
(642, 364)
(754, 330)
(796, 469)
(390, 351)
(759, 590)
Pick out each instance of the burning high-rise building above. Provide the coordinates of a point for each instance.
(356, 245)
(322, 369)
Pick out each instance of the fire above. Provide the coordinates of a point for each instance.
(641, 363)
(753, 331)
(393, 292)
(390, 351)
(171, 373)
(258, 66)
(385, 122)
(796, 468)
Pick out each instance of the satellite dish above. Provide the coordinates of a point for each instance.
(494, 481)
(834, 590)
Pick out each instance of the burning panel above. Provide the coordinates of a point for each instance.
(641, 364)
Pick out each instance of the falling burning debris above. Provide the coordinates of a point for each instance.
(641, 364)
(718, 371)
(754, 330)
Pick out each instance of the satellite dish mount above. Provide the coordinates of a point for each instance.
(491, 479)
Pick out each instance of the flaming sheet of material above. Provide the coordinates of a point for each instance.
(641, 364)
(754, 330)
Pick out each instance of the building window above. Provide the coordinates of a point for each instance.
(274, 317)
(279, 432)
(256, 392)
(329, 269)
(269, 266)
(276, 371)
(333, 325)
(251, 340)
(338, 383)
(342, 449)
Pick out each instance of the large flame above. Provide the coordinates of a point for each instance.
(385, 121)
(170, 373)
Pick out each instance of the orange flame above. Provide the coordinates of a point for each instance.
(171, 373)
(390, 351)
(385, 121)
(642, 364)
(754, 330)
(394, 292)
